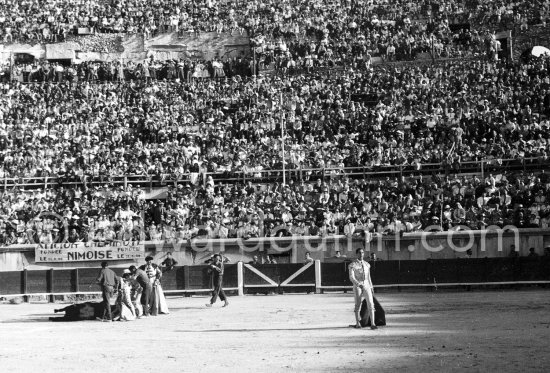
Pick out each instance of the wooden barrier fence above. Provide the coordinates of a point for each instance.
(312, 277)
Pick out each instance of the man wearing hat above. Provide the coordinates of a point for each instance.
(157, 302)
(125, 308)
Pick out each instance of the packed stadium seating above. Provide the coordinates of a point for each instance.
(179, 121)
(336, 206)
(314, 32)
(453, 112)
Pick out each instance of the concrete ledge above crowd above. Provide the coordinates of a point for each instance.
(490, 243)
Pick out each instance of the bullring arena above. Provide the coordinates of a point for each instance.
(296, 156)
(496, 330)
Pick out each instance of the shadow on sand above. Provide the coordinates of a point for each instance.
(246, 330)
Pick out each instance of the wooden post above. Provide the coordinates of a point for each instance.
(186, 282)
(24, 280)
(76, 281)
(49, 285)
(318, 289)
(398, 274)
(430, 275)
(486, 269)
(240, 279)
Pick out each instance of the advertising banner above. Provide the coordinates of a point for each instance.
(89, 251)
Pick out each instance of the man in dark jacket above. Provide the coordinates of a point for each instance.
(109, 281)
(143, 280)
(217, 267)
(169, 263)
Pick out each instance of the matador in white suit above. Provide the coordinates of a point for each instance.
(359, 275)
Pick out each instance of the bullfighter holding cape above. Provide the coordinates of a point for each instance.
(157, 302)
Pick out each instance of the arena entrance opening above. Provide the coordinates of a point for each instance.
(61, 61)
(23, 58)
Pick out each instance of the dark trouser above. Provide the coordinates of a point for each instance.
(218, 291)
(107, 293)
(146, 297)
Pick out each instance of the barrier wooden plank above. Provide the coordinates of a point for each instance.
(415, 272)
(261, 275)
(87, 279)
(230, 276)
(335, 274)
(384, 273)
(199, 278)
(409, 273)
(544, 269)
(170, 279)
(63, 281)
(446, 271)
(37, 282)
(472, 270)
(526, 269)
(11, 282)
(297, 275)
(502, 269)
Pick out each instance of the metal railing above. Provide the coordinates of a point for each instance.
(479, 167)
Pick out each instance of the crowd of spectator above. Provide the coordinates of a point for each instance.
(181, 120)
(510, 14)
(350, 33)
(119, 71)
(314, 32)
(354, 207)
(406, 116)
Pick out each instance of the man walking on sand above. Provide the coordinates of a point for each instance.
(216, 268)
(359, 275)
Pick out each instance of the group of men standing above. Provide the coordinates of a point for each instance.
(147, 278)
(139, 291)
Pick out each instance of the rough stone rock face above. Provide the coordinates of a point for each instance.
(105, 43)
(206, 45)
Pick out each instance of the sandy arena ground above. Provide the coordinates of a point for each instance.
(504, 331)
